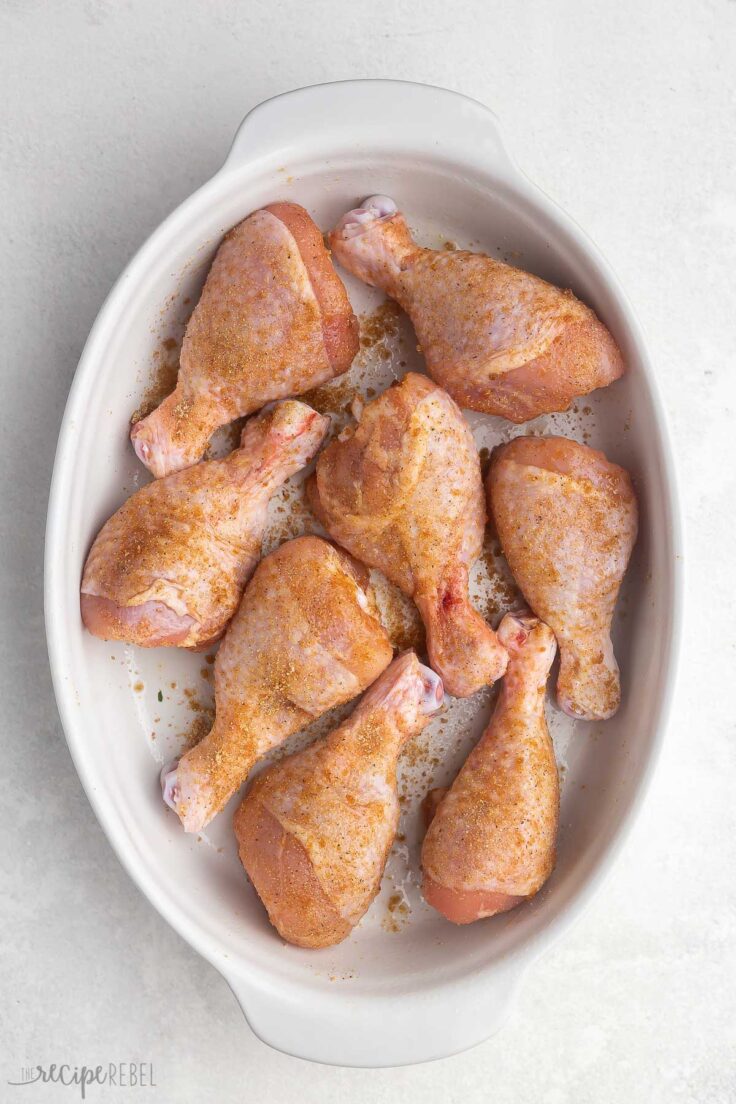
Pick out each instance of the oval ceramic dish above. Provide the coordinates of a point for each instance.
(406, 986)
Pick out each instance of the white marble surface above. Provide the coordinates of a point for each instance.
(626, 113)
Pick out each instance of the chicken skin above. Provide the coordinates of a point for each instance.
(303, 640)
(403, 493)
(567, 521)
(315, 830)
(498, 339)
(273, 321)
(170, 566)
(491, 841)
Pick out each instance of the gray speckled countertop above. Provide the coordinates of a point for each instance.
(624, 113)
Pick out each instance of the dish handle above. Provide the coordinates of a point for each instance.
(350, 1029)
(351, 116)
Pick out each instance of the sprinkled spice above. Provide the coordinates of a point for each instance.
(331, 398)
(164, 370)
(380, 325)
(399, 616)
(500, 591)
(194, 702)
(398, 910)
(198, 729)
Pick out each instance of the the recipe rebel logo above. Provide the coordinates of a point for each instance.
(122, 1075)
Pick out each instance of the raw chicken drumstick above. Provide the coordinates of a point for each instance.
(403, 493)
(491, 842)
(567, 520)
(303, 640)
(170, 566)
(499, 339)
(315, 830)
(273, 320)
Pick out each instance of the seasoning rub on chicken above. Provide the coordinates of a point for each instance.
(499, 339)
(304, 639)
(273, 321)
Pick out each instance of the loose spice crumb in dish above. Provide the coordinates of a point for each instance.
(198, 729)
(163, 373)
(398, 913)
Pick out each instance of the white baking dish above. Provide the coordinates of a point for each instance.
(430, 989)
